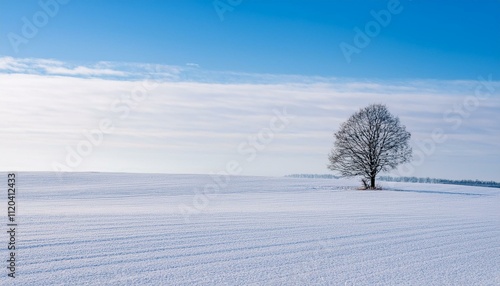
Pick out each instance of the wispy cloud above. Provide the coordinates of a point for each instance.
(101, 69)
(193, 65)
(53, 67)
(83, 71)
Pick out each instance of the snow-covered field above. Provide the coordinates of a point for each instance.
(151, 229)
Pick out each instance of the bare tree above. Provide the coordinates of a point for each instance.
(370, 141)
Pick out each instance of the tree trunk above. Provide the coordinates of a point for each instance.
(372, 179)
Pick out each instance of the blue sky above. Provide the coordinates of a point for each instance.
(427, 39)
(217, 78)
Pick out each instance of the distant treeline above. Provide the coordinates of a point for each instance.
(491, 184)
(478, 183)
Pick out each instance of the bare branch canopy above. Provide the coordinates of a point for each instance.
(372, 140)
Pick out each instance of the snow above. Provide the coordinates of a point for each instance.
(129, 229)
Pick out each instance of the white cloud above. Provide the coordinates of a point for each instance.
(53, 67)
(84, 71)
(193, 65)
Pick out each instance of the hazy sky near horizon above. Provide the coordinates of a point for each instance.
(193, 86)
